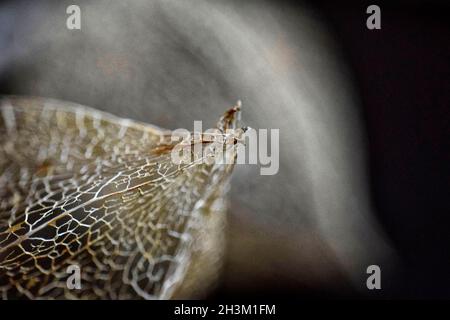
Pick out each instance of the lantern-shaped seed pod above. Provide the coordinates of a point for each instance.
(83, 188)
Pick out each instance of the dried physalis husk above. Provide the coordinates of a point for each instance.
(79, 187)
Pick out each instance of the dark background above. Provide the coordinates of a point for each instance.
(402, 73)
